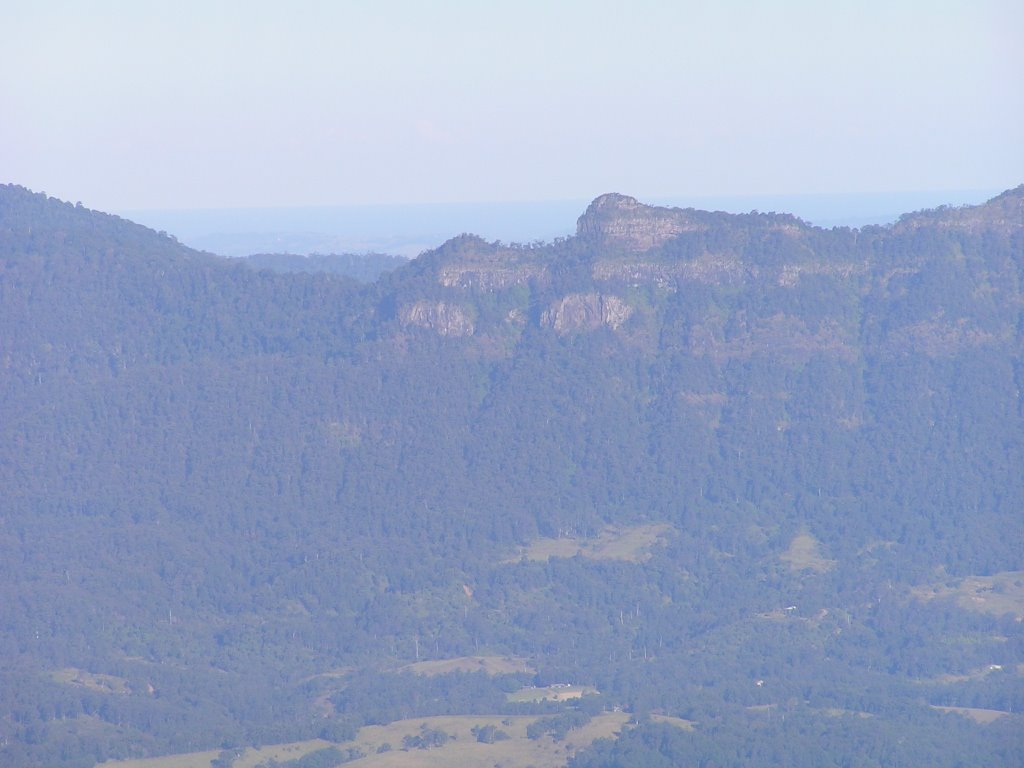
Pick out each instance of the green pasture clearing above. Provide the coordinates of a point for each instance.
(465, 752)
(976, 674)
(331, 674)
(678, 722)
(461, 751)
(998, 594)
(492, 665)
(186, 760)
(981, 716)
(551, 693)
(804, 554)
(248, 759)
(631, 544)
(280, 752)
(838, 712)
(90, 680)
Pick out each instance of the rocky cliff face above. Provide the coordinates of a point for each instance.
(586, 312)
(622, 222)
(629, 262)
(442, 317)
(489, 277)
(710, 269)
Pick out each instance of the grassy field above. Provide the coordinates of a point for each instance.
(280, 752)
(631, 544)
(251, 757)
(998, 594)
(678, 722)
(551, 693)
(982, 716)
(492, 665)
(461, 751)
(188, 760)
(465, 752)
(976, 674)
(804, 554)
(94, 682)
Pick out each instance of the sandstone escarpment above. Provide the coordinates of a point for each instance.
(622, 222)
(791, 273)
(470, 263)
(488, 277)
(710, 269)
(444, 318)
(586, 312)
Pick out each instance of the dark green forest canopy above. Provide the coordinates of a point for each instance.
(220, 484)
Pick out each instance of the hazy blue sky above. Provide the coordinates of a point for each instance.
(128, 105)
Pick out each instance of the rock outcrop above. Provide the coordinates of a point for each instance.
(586, 312)
(442, 317)
(488, 277)
(622, 222)
(710, 269)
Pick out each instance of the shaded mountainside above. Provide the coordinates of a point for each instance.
(222, 484)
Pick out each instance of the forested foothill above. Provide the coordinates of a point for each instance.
(737, 470)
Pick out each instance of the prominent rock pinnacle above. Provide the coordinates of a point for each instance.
(621, 221)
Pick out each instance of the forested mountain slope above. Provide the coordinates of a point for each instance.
(365, 267)
(220, 485)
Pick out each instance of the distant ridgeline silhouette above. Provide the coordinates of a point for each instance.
(408, 230)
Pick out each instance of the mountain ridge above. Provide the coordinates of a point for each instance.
(223, 485)
(612, 216)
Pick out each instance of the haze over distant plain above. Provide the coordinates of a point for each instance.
(129, 106)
